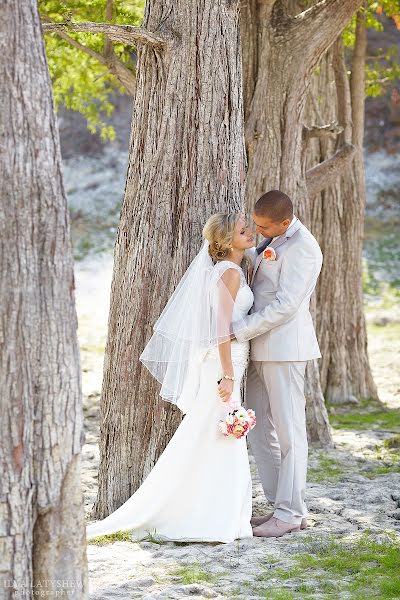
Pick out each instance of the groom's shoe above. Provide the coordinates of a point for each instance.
(256, 521)
(274, 528)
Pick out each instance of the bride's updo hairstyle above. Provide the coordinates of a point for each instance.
(219, 231)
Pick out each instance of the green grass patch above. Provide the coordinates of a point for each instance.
(392, 442)
(368, 414)
(118, 536)
(194, 573)
(328, 469)
(387, 455)
(388, 419)
(333, 568)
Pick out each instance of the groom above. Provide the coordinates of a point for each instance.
(286, 266)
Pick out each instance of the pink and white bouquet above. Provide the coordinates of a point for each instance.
(238, 422)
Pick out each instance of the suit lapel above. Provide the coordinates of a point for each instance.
(275, 244)
(260, 248)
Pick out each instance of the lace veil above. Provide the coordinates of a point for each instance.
(197, 317)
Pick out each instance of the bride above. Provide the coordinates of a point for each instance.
(200, 487)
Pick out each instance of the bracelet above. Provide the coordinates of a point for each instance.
(228, 377)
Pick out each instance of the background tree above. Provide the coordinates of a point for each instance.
(345, 371)
(42, 519)
(282, 45)
(334, 117)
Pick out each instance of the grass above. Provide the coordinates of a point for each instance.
(333, 568)
(118, 536)
(388, 454)
(194, 573)
(368, 415)
(328, 469)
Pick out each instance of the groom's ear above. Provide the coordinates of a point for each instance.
(286, 223)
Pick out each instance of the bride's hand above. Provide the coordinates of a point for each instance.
(225, 389)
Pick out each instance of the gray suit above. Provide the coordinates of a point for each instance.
(282, 338)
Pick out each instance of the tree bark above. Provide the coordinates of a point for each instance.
(337, 217)
(42, 532)
(186, 162)
(281, 48)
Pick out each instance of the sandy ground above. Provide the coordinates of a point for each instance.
(343, 506)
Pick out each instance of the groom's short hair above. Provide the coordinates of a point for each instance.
(275, 205)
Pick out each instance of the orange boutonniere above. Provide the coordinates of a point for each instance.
(269, 254)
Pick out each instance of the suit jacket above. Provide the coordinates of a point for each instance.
(279, 324)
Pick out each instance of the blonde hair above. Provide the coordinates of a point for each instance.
(219, 231)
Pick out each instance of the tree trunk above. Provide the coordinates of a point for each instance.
(42, 539)
(281, 48)
(186, 162)
(337, 219)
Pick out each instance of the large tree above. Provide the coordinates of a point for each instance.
(186, 161)
(42, 538)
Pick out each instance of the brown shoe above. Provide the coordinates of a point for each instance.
(275, 528)
(256, 521)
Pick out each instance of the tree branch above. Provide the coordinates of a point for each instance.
(112, 62)
(357, 80)
(325, 174)
(320, 25)
(125, 34)
(108, 45)
(343, 98)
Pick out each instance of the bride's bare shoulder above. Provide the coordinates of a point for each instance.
(230, 273)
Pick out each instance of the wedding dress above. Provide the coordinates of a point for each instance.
(200, 489)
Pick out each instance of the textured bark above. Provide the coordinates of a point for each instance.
(337, 218)
(281, 48)
(42, 534)
(186, 162)
(125, 34)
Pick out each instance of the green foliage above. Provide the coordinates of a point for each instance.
(386, 67)
(80, 82)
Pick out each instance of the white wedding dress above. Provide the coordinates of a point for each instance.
(200, 489)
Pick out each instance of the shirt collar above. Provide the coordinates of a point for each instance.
(292, 222)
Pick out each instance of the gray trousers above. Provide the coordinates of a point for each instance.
(275, 391)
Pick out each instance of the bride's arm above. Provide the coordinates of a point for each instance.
(229, 289)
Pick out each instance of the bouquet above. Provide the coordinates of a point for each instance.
(237, 422)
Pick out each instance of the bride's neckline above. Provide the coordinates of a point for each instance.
(232, 262)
